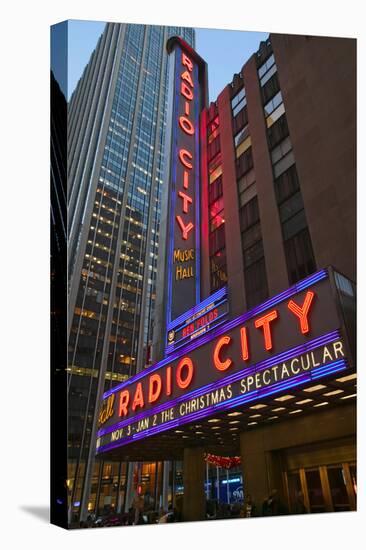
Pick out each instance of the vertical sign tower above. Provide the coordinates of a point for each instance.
(188, 97)
(179, 263)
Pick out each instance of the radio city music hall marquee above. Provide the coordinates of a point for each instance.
(290, 340)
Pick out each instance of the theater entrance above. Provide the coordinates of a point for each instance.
(329, 486)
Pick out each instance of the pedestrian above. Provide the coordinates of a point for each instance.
(249, 507)
(271, 504)
(299, 505)
(131, 516)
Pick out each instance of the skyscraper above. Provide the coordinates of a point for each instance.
(116, 123)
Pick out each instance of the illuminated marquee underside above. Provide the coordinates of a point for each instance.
(292, 339)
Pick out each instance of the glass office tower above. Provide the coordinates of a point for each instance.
(116, 127)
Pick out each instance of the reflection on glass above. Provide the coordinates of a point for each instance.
(338, 490)
(316, 498)
(353, 472)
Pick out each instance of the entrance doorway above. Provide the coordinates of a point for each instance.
(327, 488)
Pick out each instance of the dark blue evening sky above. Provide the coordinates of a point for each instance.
(224, 51)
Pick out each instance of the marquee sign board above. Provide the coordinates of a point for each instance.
(291, 339)
(197, 321)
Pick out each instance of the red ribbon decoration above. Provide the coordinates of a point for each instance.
(222, 461)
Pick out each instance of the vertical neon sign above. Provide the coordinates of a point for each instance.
(184, 200)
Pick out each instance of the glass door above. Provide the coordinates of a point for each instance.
(315, 491)
(329, 488)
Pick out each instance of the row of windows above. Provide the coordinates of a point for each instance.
(297, 243)
(218, 270)
(256, 286)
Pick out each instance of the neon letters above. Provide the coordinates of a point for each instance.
(185, 156)
(180, 374)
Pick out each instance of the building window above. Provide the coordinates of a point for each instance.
(243, 146)
(284, 164)
(268, 75)
(244, 163)
(213, 129)
(253, 254)
(281, 150)
(273, 104)
(217, 214)
(299, 256)
(270, 89)
(251, 236)
(218, 272)
(286, 184)
(275, 115)
(294, 225)
(263, 69)
(291, 206)
(213, 148)
(249, 214)
(215, 190)
(240, 120)
(238, 102)
(242, 135)
(217, 239)
(277, 132)
(256, 288)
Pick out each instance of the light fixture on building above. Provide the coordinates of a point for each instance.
(284, 397)
(346, 378)
(304, 401)
(348, 396)
(315, 388)
(334, 392)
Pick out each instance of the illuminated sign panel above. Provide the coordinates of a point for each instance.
(290, 340)
(198, 321)
(184, 201)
